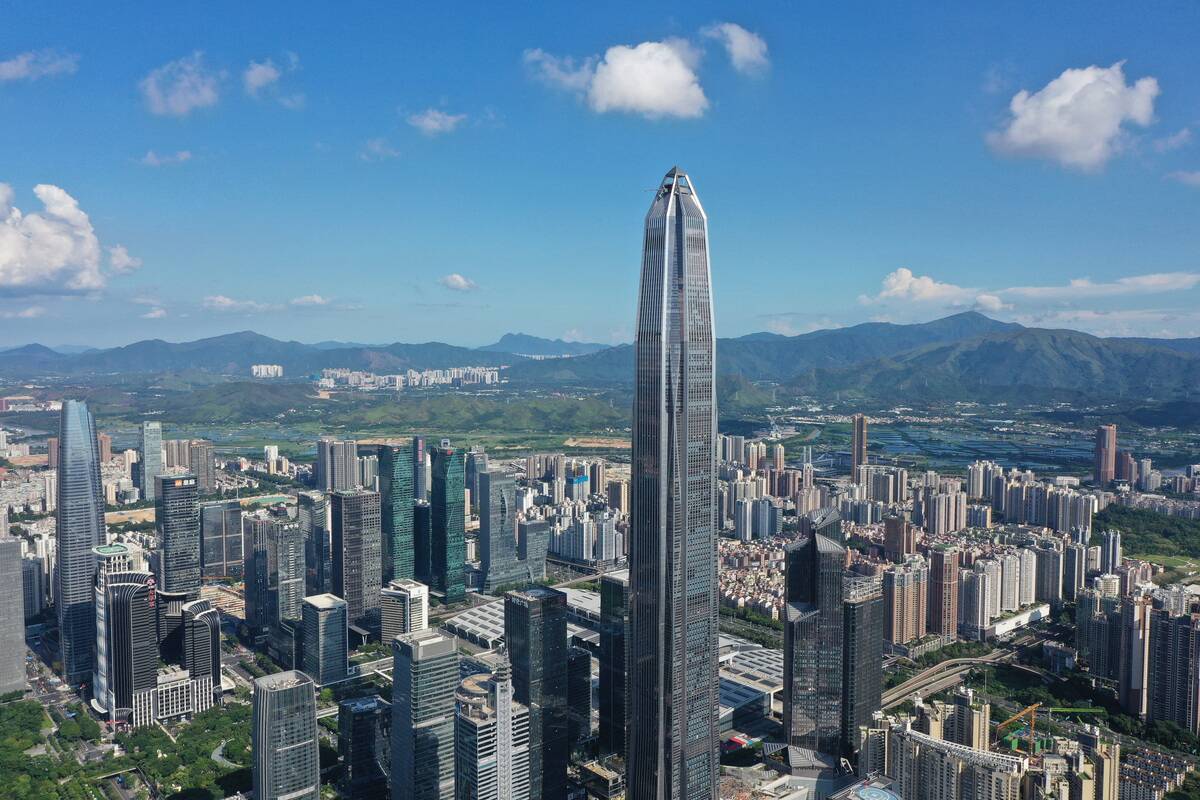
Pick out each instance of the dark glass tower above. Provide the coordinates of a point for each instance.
(672, 558)
(424, 677)
(614, 667)
(812, 645)
(497, 534)
(356, 560)
(80, 528)
(862, 664)
(363, 724)
(177, 523)
(311, 514)
(285, 745)
(448, 546)
(535, 629)
(396, 497)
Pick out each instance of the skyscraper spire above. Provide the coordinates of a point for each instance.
(673, 574)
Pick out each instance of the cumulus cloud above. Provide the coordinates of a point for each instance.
(179, 87)
(220, 302)
(121, 261)
(36, 64)
(153, 159)
(654, 79)
(903, 284)
(52, 252)
(31, 312)
(1186, 178)
(378, 149)
(259, 75)
(154, 313)
(747, 51)
(458, 282)
(310, 300)
(433, 122)
(1078, 118)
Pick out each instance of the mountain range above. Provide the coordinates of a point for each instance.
(964, 356)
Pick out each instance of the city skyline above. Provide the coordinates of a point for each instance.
(354, 159)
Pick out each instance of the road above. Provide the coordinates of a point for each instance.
(948, 673)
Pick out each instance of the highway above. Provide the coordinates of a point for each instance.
(947, 674)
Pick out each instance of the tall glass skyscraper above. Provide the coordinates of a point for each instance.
(177, 523)
(397, 494)
(285, 746)
(80, 528)
(672, 558)
(152, 460)
(497, 530)
(448, 546)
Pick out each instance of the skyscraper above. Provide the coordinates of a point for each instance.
(535, 630)
(337, 464)
(177, 523)
(284, 741)
(614, 666)
(862, 667)
(1110, 552)
(312, 513)
(673, 581)
(448, 547)
(1106, 455)
(812, 644)
(363, 723)
(491, 740)
(404, 608)
(324, 639)
(202, 464)
(356, 553)
(202, 644)
(396, 499)
(12, 618)
(497, 530)
(424, 677)
(943, 590)
(127, 644)
(858, 445)
(151, 458)
(80, 528)
(274, 572)
(221, 553)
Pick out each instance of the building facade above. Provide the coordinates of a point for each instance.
(284, 741)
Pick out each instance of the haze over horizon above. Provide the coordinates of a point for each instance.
(450, 183)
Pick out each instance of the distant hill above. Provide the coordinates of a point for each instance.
(526, 345)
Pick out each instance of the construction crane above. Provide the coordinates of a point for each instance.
(1032, 711)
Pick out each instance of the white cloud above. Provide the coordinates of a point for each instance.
(654, 79)
(153, 159)
(1178, 139)
(1159, 323)
(378, 149)
(53, 252)
(32, 312)
(990, 303)
(1077, 118)
(259, 75)
(121, 261)
(310, 300)
(903, 284)
(179, 87)
(36, 64)
(219, 302)
(1186, 178)
(747, 51)
(432, 122)
(457, 282)
(155, 313)
(1153, 283)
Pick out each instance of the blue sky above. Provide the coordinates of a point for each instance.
(454, 171)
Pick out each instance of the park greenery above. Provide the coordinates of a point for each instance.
(1149, 533)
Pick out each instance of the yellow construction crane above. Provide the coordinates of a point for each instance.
(1031, 713)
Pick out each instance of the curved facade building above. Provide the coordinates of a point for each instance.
(673, 572)
(80, 528)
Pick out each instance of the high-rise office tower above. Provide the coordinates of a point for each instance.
(324, 648)
(202, 463)
(943, 590)
(862, 644)
(535, 630)
(404, 608)
(420, 482)
(475, 464)
(614, 665)
(1105, 470)
(579, 695)
(284, 740)
(448, 547)
(221, 554)
(1110, 552)
(80, 517)
(177, 524)
(127, 644)
(356, 553)
(422, 541)
(497, 530)
(202, 644)
(424, 677)
(150, 458)
(396, 498)
(274, 572)
(312, 515)
(673, 526)
(812, 644)
(363, 725)
(533, 542)
(858, 444)
(491, 733)
(12, 618)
